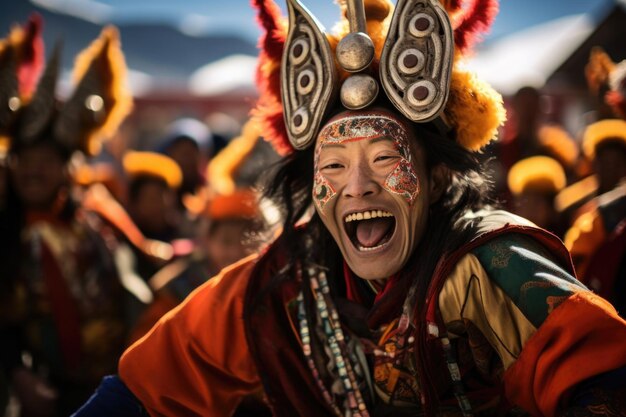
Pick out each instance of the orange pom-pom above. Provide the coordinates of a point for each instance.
(475, 110)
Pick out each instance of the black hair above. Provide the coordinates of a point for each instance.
(611, 145)
(45, 142)
(140, 181)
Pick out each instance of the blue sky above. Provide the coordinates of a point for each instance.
(237, 16)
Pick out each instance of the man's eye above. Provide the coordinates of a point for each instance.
(332, 166)
(386, 157)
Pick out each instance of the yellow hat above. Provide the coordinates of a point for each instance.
(559, 144)
(537, 173)
(153, 164)
(600, 131)
(576, 193)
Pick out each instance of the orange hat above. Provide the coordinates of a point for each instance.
(88, 174)
(153, 164)
(538, 173)
(600, 131)
(242, 203)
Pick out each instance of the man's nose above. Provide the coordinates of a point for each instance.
(360, 182)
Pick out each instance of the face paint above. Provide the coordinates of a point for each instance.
(368, 178)
(323, 191)
(402, 180)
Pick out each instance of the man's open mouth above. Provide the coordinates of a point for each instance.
(369, 230)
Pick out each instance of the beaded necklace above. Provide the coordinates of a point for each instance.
(329, 320)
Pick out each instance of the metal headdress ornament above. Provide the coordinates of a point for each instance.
(94, 111)
(411, 54)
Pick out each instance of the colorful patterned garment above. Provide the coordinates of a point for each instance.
(501, 339)
(68, 301)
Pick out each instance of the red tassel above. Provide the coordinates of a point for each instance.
(269, 114)
(268, 110)
(32, 56)
(477, 21)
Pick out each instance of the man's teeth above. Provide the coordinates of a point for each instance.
(366, 249)
(366, 215)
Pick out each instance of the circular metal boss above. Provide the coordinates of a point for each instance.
(355, 52)
(358, 91)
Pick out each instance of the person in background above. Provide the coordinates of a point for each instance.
(597, 238)
(153, 180)
(606, 81)
(231, 226)
(604, 143)
(229, 231)
(189, 143)
(534, 183)
(61, 323)
(527, 134)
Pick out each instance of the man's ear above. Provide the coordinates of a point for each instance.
(439, 181)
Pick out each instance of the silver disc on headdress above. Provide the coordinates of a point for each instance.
(358, 91)
(416, 61)
(355, 53)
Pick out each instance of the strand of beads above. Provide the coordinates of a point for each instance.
(336, 341)
(305, 337)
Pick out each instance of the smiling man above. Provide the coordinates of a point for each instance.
(366, 159)
(403, 292)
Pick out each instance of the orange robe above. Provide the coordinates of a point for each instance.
(197, 361)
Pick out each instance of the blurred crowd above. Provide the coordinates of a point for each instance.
(96, 248)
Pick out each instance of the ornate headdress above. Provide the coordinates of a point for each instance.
(414, 55)
(29, 109)
(608, 80)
